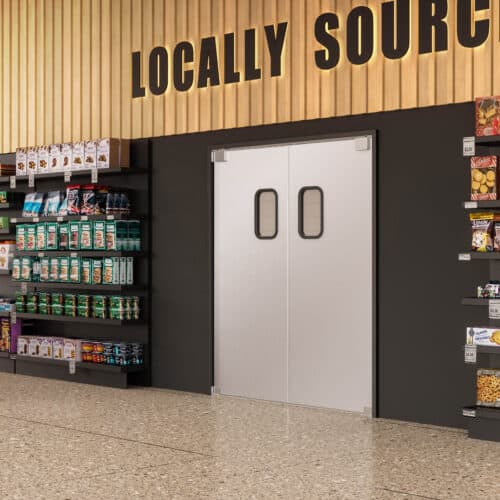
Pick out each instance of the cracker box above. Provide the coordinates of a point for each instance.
(43, 159)
(113, 153)
(111, 243)
(32, 161)
(107, 271)
(30, 242)
(487, 116)
(63, 236)
(86, 235)
(22, 345)
(6, 255)
(66, 156)
(484, 178)
(86, 271)
(74, 270)
(78, 155)
(21, 161)
(55, 158)
(44, 269)
(46, 347)
(130, 271)
(488, 388)
(20, 237)
(54, 271)
(52, 237)
(96, 271)
(41, 236)
(72, 349)
(34, 347)
(90, 154)
(74, 235)
(26, 269)
(16, 269)
(483, 336)
(99, 237)
(57, 348)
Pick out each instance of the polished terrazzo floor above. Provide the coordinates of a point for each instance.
(68, 441)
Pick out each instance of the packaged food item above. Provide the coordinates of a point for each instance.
(34, 347)
(57, 348)
(99, 239)
(4, 335)
(32, 159)
(87, 350)
(73, 199)
(90, 154)
(78, 155)
(484, 178)
(28, 204)
(26, 269)
(6, 254)
(16, 269)
(32, 303)
(487, 116)
(121, 228)
(43, 159)
(20, 237)
(52, 238)
(22, 345)
(86, 271)
(33, 203)
(482, 231)
(7, 170)
(44, 269)
(86, 235)
(54, 269)
(113, 153)
(21, 301)
(21, 161)
(130, 271)
(488, 388)
(46, 347)
(53, 203)
(41, 233)
(483, 336)
(74, 270)
(134, 236)
(96, 271)
(88, 199)
(4, 223)
(63, 236)
(74, 235)
(30, 243)
(111, 235)
(122, 270)
(55, 158)
(64, 269)
(107, 271)
(66, 156)
(72, 349)
(101, 195)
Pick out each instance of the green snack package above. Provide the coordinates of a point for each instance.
(99, 237)
(74, 235)
(74, 270)
(41, 236)
(52, 237)
(86, 235)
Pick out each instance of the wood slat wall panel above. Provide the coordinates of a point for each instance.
(67, 68)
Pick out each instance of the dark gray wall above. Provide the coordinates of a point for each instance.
(422, 180)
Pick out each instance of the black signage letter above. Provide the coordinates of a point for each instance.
(209, 64)
(230, 73)
(329, 58)
(251, 70)
(464, 23)
(276, 43)
(183, 79)
(360, 35)
(399, 49)
(137, 89)
(158, 70)
(430, 18)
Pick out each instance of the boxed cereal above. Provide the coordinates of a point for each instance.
(488, 388)
(72, 349)
(55, 158)
(21, 161)
(41, 236)
(487, 116)
(90, 154)
(32, 160)
(66, 156)
(484, 178)
(57, 348)
(78, 155)
(43, 159)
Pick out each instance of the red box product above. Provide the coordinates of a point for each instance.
(487, 116)
(484, 177)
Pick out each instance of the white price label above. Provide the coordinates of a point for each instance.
(469, 412)
(67, 176)
(24, 287)
(72, 367)
(60, 219)
(470, 354)
(41, 254)
(73, 255)
(31, 180)
(84, 217)
(93, 175)
(469, 146)
(36, 219)
(13, 182)
(13, 221)
(110, 217)
(464, 257)
(494, 309)
(470, 205)
(13, 317)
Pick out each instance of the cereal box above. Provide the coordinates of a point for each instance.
(72, 349)
(32, 159)
(34, 347)
(46, 347)
(23, 345)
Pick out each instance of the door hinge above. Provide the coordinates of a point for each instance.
(219, 155)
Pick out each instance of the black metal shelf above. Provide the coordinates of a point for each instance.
(4, 314)
(81, 365)
(4, 272)
(78, 319)
(467, 256)
(473, 205)
(77, 253)
(79, 173)
(65, 218)
(475, 301)
(4, 354)
(488, 139)
(10, 206)
(80, 286)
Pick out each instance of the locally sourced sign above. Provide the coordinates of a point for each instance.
(183, 68)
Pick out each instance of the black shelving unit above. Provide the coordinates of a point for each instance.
(466, 256)
(137, 180)
(473, 301)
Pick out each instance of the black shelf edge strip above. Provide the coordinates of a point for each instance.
(84, 253)
(476, 301)
(467, 256)
(64, 218)
(78, 319)
(80, 286)
(488, 139)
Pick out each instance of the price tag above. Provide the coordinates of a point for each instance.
(59, 219)
(36, 219)
(24, 287)
(73, 255)
(93, 175)
(470, 205)
(84, 217)
(470, 354)
(13, 182)
(494, 309)
(31, 180)
(72, 367)
(110, 217)
(469, 412)
(13, 317)
(464, 257)
(13, 221)
(67, 176)
(469, 146)
(41, 254)
(13, 356)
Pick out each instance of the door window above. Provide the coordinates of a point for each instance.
(311, 217)
(266, 214)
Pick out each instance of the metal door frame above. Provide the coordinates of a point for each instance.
(288, 141)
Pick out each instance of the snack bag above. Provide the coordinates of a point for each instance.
(484, 178)
(482, 231)
(88, 200)
(73, 199)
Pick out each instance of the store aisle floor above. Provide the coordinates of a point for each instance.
(68, 441)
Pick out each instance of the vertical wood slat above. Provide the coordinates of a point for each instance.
(376, 65)
(231, 110)
(147, 44)
(359, 75)
(58, 72)
(15, 78)
(48, 72)
(284, 83)
(170, 36)
(103, 124)
(39, 73)
(205, 30)
(483, 67)
(87, 44)
(256, 87)
(181, 97)
(392, 81)
(67, 79)
(31, 81)
(77, 70)
(217, 94)
(97, 65)
(193, 96)
(445, 64)
(137, 104)
(158, 41)
(243, 89)
(269, 85)
(312, 80)
(116, 69)
(2, 62)
(409, 65)
(7, 76)
(126, 71)
(343, 87)
(297, 70)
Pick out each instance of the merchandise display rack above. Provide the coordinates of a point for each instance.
(135, 179)
(483, 422)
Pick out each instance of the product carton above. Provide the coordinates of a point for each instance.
(130, 271)
(86, 235)
(113, 153)
(32, 159)
(108, 271)
(483, 336)
(6, 255)
(34, 347)
(74, 269)
(78, 155)
(44, 269)
(21, 161)
(55, 158)
(74, 235)
(90, 154)
(99, 239)
(46, 347)
(54, 269)
(16, 330)
(23, 345)
(72, 349)
(66, 156)
(487, 116)
(57, 348)
(52, 237)
(41, 236)
(20, 237)
(43, 159)
(86, 272)
(484, 178)
(30, 242)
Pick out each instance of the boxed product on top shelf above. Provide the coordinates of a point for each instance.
(484, 178)
(7, 249)
(489, 291)
(115, 307)
(487, 116)
(7, 170)
(87, 351)
(77, 270)
(488, 388)
(80, 235)
(87, 199)
(9, 335)
(101, 153)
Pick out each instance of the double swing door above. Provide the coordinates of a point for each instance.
(293, 267)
